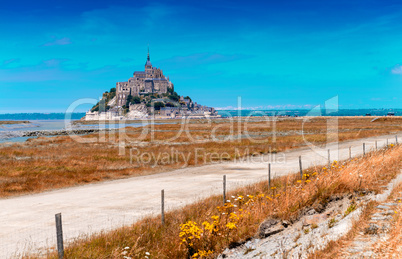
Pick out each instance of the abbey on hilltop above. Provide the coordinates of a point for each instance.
(149, 81)
(146, 93)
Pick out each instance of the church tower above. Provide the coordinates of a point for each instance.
(148, 66)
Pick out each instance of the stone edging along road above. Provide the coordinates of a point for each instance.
(27, 222)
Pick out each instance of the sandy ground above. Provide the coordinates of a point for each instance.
(27, 222)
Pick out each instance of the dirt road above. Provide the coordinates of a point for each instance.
(27, 222)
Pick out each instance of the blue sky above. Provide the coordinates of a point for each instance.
(274, 54)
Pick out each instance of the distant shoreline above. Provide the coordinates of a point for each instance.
(178, 120)
(258, 118)
(10, 122)
(225, 113)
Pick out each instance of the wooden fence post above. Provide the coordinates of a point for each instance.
(224, 190)
(350, 152)
(301, 168)
(364, 149)
(269, 175)
(376, 146)
(396, 139)
(59, 235)
(329, 159)
(163, 206)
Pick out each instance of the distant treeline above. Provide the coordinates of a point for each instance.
(40, 116)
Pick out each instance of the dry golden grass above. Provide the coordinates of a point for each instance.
(391, 248)
(212, 227)
(49, 163)
(334, 249)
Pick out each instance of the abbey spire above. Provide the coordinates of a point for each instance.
(148, 64)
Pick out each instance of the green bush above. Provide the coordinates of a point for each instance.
(129, 100)
(136, 100)
(174, 97)
(95, 108)
(158, 105)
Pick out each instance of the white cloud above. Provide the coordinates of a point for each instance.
(152, 17)
(397, 70)
(62, 41)
(9, 61)
(54, 62)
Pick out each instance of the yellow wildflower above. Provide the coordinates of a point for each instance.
(189, 231)
(233, 216)
(231, 225)
(209, 227)
(202, 253)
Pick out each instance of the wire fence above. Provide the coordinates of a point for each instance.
(21, 235)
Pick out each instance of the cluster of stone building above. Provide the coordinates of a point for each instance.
(188, 108)
(143, 83)
(149, 81)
